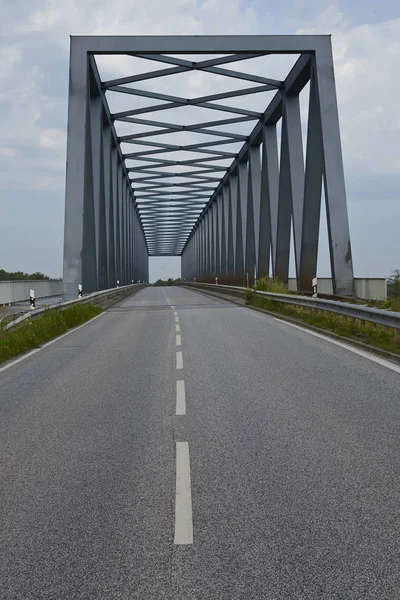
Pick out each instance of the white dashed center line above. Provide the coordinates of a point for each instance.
(176, 319)
(178, 340)
(175, 313)
(179, 360)
(177, 328)
(183, 496)
(180, 398)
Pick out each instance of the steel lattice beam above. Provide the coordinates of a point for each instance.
(227, 221)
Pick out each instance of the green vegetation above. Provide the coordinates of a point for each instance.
(271, 284)
(33, 333)
(19, 275)
(374, 335)
(169, 281)
(394, 291)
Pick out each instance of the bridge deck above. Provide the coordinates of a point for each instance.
(293, 452)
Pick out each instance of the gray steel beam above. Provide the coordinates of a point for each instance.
(334, 185)
(232, 254)
(243, 202)
(269, 200)
(247, 213)
(155, 45)
(253, 213)
(312, 192)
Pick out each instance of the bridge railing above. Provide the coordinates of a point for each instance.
(101, 297)
(18, 291)
(376, 316)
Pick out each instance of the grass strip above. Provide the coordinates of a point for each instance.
(33, 333)
(374, 335)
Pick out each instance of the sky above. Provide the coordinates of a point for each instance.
(34, 54)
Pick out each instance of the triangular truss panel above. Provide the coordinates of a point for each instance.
(178, 155)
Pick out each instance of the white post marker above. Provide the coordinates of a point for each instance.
(183, 496)
(180, 398)
(216, 281)
(117, 282)
(314, 285)
(80, 290)
(32, 302)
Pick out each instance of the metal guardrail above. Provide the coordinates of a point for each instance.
(94, 298)
(377, 316)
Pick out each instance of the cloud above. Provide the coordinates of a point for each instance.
(52, 138)
(366, 59)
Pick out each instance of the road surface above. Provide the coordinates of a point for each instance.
(182, 447)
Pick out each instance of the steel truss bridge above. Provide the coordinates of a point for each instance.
(224, 192)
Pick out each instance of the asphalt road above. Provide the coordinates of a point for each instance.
(279, 479)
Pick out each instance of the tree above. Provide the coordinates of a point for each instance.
(394, 286)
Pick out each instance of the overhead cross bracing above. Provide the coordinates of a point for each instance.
(170, 192)
(195, 140)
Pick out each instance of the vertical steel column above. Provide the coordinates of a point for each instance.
(204, 247)
(334, 185)
(211, 242)
(200, 234)
(119, 222)
(239, 258)
(130, 216)
(312, 191)
(227, 234)
(221, 239)
(79, 232)
(269, 198)
(233, 209)
(291, 188)
(243, 197)
(109, 204)
(216, 253)
(208, 243)
(96, 127)
(253, 212)
(115, 195)
(198, 251)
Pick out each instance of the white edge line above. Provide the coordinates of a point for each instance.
(183, 497)
(380, 361)
(14, 362)
(179, 360)
(178, 340)
(180, 398)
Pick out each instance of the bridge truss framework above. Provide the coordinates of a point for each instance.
(231, 221)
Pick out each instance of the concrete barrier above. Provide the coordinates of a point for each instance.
(18, 291)
(366, 288)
